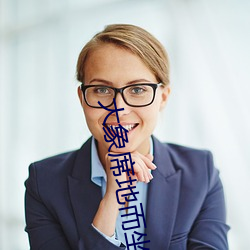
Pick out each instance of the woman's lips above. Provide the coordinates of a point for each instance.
(127, 126)
(120, 129)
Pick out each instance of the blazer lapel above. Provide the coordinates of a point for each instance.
(85, 196)
(163, 198)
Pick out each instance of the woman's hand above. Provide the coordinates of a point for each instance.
(142, 166)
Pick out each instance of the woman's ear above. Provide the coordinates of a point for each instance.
(80, 95)
(164, 96)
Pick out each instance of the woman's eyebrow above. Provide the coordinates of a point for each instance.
(138, 81)
(101, 81)
(111, 83)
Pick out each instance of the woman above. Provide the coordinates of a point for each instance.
(85, 200)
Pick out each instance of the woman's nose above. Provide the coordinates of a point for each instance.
(119, 101)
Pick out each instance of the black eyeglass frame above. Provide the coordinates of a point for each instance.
(154, 86)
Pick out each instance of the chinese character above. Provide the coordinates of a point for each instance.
(134, 244)
(122, 165)
(111, 112)
(119, 132)
(135, 220)
(126, 195)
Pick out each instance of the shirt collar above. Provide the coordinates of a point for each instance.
(97, 171)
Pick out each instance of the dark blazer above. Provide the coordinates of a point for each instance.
(185, 205)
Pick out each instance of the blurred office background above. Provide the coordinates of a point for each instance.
(209, 48)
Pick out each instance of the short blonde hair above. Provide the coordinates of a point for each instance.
(134, 39)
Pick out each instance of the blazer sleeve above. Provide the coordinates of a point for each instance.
(210, 230)
(45, 231)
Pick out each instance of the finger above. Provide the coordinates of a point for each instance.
(138, 172)
(148, 162)
(148, 165)
(140, 168)
(150, 157)
(144, 169)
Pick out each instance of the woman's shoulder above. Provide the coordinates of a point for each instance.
(55, 165)
(57, 158)
(186, 150)
(181, 150)
(184, 157)
(60, 162)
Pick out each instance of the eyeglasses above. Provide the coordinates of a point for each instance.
(136, 95)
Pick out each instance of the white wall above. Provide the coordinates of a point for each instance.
(208, 43)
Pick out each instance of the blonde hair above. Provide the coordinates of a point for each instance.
(134, 39)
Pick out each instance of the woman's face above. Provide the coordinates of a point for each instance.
(113, 66)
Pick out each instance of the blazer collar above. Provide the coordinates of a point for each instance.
(162, 202)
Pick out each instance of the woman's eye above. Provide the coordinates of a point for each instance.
(102, 90)
(137, 90)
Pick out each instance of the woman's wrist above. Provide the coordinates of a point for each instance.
(106, 216)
